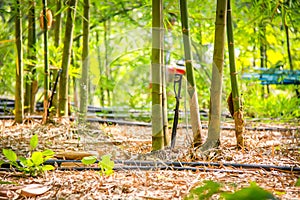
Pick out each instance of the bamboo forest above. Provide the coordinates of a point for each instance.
(150, 99)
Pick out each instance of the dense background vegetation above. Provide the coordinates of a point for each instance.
(120, 50)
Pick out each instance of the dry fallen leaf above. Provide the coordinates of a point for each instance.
(33, 190)
(73, 155)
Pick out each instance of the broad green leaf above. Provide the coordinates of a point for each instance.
(29, 163)
(10, 155)
(34, 141)
(107, 165)
(206, 191)
(48, 167)
(23, 161)
(106, 162)
(37, 158)
(48, 154)
(88, 160)
(253, 192)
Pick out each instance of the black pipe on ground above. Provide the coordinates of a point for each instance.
(154, 165)
(212, 164)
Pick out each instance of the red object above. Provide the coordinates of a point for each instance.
(176, 70)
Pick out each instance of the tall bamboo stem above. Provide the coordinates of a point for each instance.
(157, 116)
(235, 97)
(194, 107)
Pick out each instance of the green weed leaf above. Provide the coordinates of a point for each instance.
(298, 183)
(37, 158)
(23, 161)
(34, 141)
(48, 168)
(204, 192)
(88, 160)
(29, 163)
(10, 155)
(48, 152)
(253, 192)
(107, 165)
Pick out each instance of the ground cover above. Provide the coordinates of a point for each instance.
(267, 143)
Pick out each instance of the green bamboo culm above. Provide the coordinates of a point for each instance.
(214, 126)
(19, 102)
(194, 107)
(234, 101)
(31, 80)
(68, 41)
(157, 115)
(46, 62)
(85, 63)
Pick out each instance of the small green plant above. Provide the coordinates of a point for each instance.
(106, 165)
(34, 165)
(204, 192)
(210, 188)
(253, 192)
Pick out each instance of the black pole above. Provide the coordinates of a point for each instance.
(53, 92)
(177, 81)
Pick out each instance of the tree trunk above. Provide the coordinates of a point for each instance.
(194, 107)
(85, 62)
(234, 98)
(19, 103)
(31, 82)
(213, 139)
(46, 63)
(157, 116)
(68, 39)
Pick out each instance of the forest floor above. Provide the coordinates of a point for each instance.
(278, 144)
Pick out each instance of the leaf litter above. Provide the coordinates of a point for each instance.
(269, 147)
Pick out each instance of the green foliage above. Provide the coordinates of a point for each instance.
(204, 192)
(253, 192)
(32, 165)
(34, 141)
(210, 188)
(297, 184)
(106, 165)
(283, 104)
(122, 67)
(88, 160)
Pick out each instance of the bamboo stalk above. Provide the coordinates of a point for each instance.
(157, 115)
(194, 107)
(19, 104)
(46, 63)
(85, 63)
(213, 139)
(234, 98)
